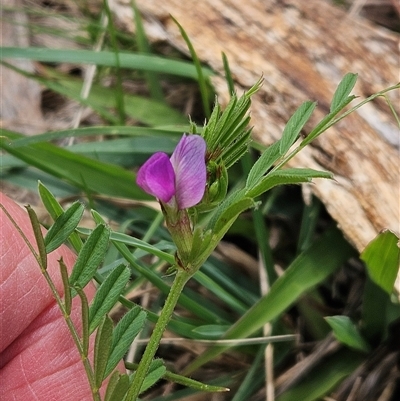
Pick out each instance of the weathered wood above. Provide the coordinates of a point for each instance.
(20, 96)
(303, 49)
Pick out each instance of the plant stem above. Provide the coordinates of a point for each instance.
(181, 279)
(75, 337)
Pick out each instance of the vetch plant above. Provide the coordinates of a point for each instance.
(192, 188)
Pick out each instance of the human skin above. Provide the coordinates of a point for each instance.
(38, 358)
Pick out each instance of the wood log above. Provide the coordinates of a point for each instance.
(20, 96)
(303, 49)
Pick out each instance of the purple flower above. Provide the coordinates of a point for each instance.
(181, 177)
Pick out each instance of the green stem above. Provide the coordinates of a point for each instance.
(179, 225)
(75, 337)
(181, 279)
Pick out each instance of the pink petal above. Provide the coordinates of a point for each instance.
(157, 177)
(188, 161)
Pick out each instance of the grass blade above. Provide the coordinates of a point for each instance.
(83, 172)
(173, 132)
(132, 61)
(203, 82)
(152, 79)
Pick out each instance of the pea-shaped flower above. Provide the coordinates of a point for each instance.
(179, 180)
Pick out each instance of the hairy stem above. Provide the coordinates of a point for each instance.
(181, 279)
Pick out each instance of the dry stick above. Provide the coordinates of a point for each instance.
(389, 389)
(354, 389)
(356, 7)
(269, 349)
(295, 374)
(89, 73)
(232, 342)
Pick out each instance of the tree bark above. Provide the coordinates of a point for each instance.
(303, 49)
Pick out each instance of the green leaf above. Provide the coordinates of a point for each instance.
(102, 349)
(85, 320)
(117, 387)
(126, 60)
(64, 226)
(295, 125)
(228, 74)
(232, 198)
(124, 333)
(156, 372)
(107, 295)
(339, 102)
(67, 288)
(284, 177)
(309, 269)
(343, 90)
(90, 256)
(37, 231)
(226, 134)
(375, 306)
(230, 214)
(49, 201)
(382, 258)
(201, 240)
(83, 172)
(267, 159)
(346, 332)
(55, 210)
(325, 123)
